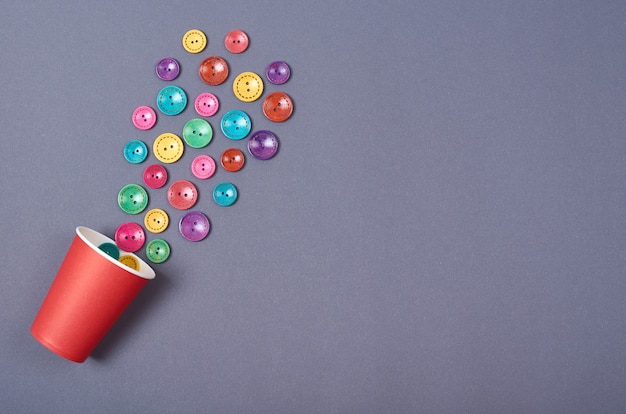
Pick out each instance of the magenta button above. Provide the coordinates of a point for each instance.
(155, 176)
(130, 237)
(203, 167)
(167, 69)
(206, 104)
(144, 117)
(194, 226)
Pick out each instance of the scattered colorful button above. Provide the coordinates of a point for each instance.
(129, 261)
(197, 133)
(278, 72)
(135, 151)
(110, 249)
(168, 148)
(182, 194)
(194, 41)
(203, 167)
(236, 124)
(132, 199)
(167, 69)
(263, 145)
(171, 100)
(156, 220)
(236, 41)
(155, 176)
(232, 160)
(277, 106)
(248, 87)
(207, 104)
(157, 251)
(194, 226)
(213, 70)
(130, 237)
(144, 118)
(225, 194)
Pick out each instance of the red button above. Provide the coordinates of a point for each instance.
(213, 70)
(182, 194)
(277, 107)
(232, 160)
(155, 176)
(236, 41)
(130, 237)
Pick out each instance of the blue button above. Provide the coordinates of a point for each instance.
(171, 100)
(135, 151)
(225, 194)
(236, 124)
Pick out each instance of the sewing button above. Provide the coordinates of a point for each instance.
(155, 176)
(277, 106)
(129, 261)
(225, 194)
(168, 148)
(194, 41)
(277, 72)
(132, 199)
(207, 104)
(236, 124)
(197, 133)
(263, 145)
(182, 194)
(194, 226)
(110, 249)
(130, 237)
(157, 251)
(232, 160)
(236, 41)
(248, 86)
(203, 167)
(167, 69)
(156, 220)
(171, 100)
(135, 151)
(144, 117)
(213, 70)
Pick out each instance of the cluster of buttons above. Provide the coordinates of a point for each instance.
(197, 133)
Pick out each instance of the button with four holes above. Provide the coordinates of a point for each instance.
(156, 220)
(203, 167)
(248, 86)
(207, 104)
(197, 133)
(236, 41)
(130, 237)
(263, 145)
(167, 69)
(277, 106)
(278, 72)
(135, 151)
(194, 226)
(225, 194)
(182, 194)
(194, 41)
(155, 176)
(232, 160)
(171, 100)
(236, 124)
(144, 117)
(168, 148)
(157, 251)
(213, 70)
(132, 199)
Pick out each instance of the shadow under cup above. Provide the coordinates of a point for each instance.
(89, 293)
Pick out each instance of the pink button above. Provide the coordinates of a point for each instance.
(130, 237)
(182, 194)
(207, 104)
(144, 117)
(236, 41)
(155, 176)
(203, 167)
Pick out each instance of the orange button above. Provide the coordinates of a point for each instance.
(277, 106)
(213, 70)
(233, 160)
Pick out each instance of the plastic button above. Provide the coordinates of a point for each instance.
(236, 41)
(110, 249)
(236, 124)
(168, 148)
(129, 261)
(130, 237)
(182, 194)
(203, 167)
(278, 72)
(248, 87)
(232, 160)
(207, 104)
(194, 226)
(194, 41)
(156, 220)
(171, 100)
(155, 176)
(277, 106)
(225, 194)
(197, 133)
(135, 151)
(132, 199)
(263, 145)
(213, 70)
(167, 69)
(144, 117)
(157, 251)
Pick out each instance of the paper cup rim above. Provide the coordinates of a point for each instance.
(94, 239)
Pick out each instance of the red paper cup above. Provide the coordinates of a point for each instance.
(90, 292)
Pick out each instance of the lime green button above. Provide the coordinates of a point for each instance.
(132, 199)
(158, 251)
(197, 133)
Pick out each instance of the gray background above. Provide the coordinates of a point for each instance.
(442, 230)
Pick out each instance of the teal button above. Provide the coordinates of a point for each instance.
(171, 100)
(236, 124)
(135, 151)
(197, 133)
(157, 251)
(132, 199)
(110, 249)
(225, 194)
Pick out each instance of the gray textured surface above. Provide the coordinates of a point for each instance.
(442, 231)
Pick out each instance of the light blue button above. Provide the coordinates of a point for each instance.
(236, 124)
(135, 151)
(225, 194)
(171, 100)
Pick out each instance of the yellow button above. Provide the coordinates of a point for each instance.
(156, 220)
(194, 41)
(130, 261)
(248, 86)
(168, 148)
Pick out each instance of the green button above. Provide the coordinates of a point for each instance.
(158, 251)
(110, 249)
(197, 133)
(132, 198)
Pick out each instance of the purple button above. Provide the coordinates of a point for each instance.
(130, 237)
(194, 226)
(155, 176)
(263, 145)
(278, 72)
(167, 69)
(206, 104)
